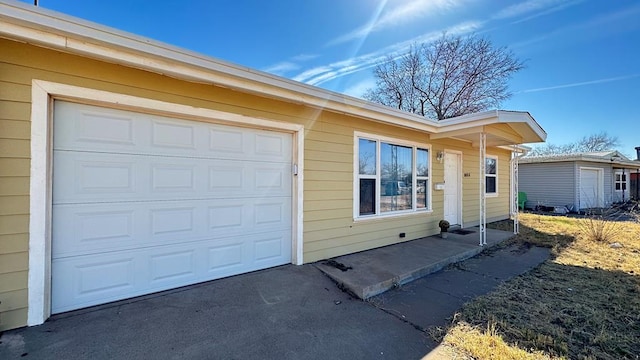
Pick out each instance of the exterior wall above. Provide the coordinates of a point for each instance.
(329, 229)
(549, 183)
(497, 207)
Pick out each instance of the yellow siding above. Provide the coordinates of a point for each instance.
(329, 228)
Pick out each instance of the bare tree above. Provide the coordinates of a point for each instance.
(450, 77)
(596, 142)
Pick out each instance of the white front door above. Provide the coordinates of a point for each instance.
(144, 203)
(452, 192)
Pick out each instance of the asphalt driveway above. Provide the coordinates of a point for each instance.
(288, 312)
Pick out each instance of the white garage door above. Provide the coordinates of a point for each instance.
(591, 188)
(144, 203)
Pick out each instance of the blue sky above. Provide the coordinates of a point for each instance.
(582, 56)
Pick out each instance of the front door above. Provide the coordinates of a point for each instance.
(452, 191)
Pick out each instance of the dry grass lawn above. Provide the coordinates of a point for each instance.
(584, 303)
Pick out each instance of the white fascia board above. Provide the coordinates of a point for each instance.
(51, 29)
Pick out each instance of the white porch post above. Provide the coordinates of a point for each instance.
(483, 189)
(514, 189)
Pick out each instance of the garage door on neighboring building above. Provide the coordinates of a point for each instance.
(144, 203)
(591, 188)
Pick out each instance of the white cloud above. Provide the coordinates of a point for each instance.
(403, 14)
(524, 8)
(322, 74)
(304, 57)
(290, 65)
(281, 68)
(412, 10)
(604, 24)
(548, 11)
(583, 83)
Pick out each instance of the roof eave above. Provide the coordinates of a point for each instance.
(21, 21)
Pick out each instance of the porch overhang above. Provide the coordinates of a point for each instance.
(502, 128)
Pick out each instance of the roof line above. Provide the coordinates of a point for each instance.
(58, 31)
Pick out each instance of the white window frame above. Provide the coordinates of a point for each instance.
(492, 194)
(616, 181)
(356, 177)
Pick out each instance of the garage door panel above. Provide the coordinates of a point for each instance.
(81, 281)
(81, 177)
(144, 203)
(80, 127)
(172, 266)
(93, 228)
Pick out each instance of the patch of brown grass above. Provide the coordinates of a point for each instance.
(487, 344)
(582, 304)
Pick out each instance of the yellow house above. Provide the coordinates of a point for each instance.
(128, 166)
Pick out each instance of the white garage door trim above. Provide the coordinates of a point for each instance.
(43, 93)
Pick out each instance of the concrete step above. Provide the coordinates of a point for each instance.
(372, 272)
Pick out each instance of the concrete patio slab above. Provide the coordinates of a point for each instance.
(372, 272)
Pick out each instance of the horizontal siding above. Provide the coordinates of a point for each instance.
(14, 110)
(14, 185)
(13, 300)
(13, 262)
(12, 243)
(15, 92)
(548, 183)
(13, 281)
(13, 319)
(15, 129)
(328, 204)
(14, 205)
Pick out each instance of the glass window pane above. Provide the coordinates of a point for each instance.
(491, 184)
(367, 157)
(396, 164)
(422, 163)
(624, 186)
(491, 164)
(422, 194)
(367, 196)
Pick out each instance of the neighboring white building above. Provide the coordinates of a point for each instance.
(578, 181)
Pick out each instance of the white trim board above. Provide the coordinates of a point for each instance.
(43, 93)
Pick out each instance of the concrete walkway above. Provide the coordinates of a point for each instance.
(372, 272)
